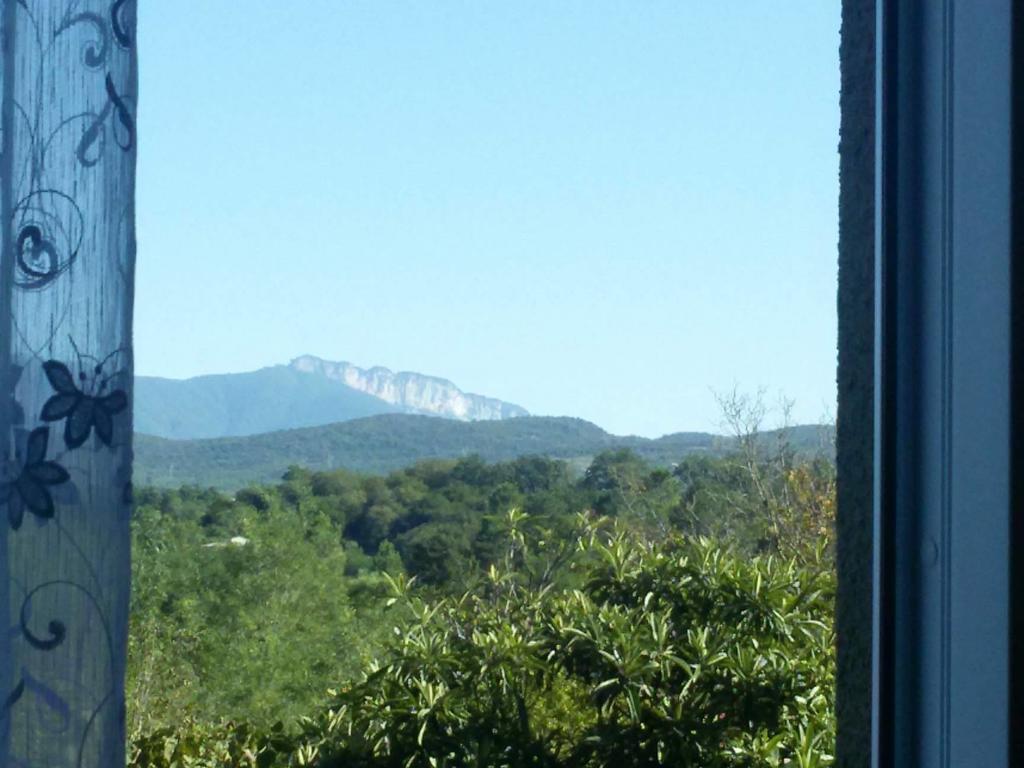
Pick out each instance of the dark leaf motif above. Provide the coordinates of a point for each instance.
(31, 488)
(79, 422)
(58, 631)
(120, 24)
(33, 492)
(103, 422)
(93, 135)
(60, 378)
(37, 442)
(50, 473)
(95, 132)
(12, 697)
(59, 406)
(94, 51)
(127, 140)
(83, 412)
(116, 401)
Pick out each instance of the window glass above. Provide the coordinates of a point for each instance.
(486, 375)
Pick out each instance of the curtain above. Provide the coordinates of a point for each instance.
(67, 174)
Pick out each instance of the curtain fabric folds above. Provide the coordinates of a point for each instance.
(67, 175)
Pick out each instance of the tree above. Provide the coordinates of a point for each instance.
(795, 499)
(436, 553)
(673, 653)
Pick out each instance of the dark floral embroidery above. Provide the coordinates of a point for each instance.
(123, 127)
(72, 122)
(83, 412)
(51, 228)
(120, 24)
(37, 256)
(95, 51)
(12, 697)
(30, 489)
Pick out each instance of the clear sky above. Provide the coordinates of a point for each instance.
(589, 208)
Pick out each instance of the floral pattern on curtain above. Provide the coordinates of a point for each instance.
(67, 176)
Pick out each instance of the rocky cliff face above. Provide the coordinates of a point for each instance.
(412, 392)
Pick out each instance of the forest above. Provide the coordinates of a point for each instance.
(389, 442)
(464, 613)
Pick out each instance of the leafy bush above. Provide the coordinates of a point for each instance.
(539, 637)
(676, 653)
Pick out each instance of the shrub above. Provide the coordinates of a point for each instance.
(676, 653)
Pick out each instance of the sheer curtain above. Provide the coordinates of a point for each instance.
(67, 171)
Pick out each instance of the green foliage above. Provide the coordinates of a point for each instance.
(389, 442)
(475, 614)
(439, 553)
(198, 744)
(243, 619)
(679, 653)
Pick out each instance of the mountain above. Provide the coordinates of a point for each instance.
(412, 392)
(234, 404)
(306, 393)
(385, 442)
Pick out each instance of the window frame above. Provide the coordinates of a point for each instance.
(947, 429)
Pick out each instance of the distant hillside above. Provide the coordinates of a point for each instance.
(235, 404)
(386, 442)
(308, 392)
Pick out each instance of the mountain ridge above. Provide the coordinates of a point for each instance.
(412, 391)
(307, 392)
(381, 443)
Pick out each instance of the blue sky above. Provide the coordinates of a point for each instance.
(590, 208)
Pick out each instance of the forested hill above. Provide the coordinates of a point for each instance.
(308, 392)
(386, 442)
